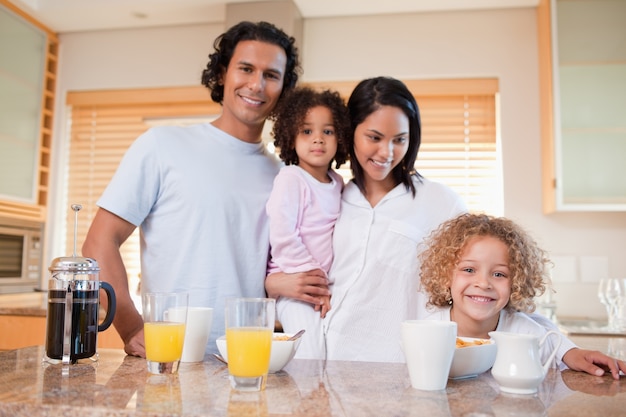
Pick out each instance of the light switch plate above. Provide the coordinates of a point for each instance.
(565, 268)
(593, 268)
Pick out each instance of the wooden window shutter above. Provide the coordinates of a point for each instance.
(459, 148)
(103, 126)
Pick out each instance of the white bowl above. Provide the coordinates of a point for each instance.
(282, 351)
(473, 360)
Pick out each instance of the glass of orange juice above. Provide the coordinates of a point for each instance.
(249, 331)
(164, 332)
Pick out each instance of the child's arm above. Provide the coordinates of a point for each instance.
(286, 208)
(581, 359)
(587, 361)
(546, 323)
(324, 305)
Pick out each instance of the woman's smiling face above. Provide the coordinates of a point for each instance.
(380, 143)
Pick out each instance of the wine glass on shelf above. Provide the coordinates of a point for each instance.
(619, 309)
(602, 296)
(609, 292)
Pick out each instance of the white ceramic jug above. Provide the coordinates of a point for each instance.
(518, 368)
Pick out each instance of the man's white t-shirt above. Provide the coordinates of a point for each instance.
(198, 196)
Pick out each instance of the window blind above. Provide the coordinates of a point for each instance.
(459, 142)
(459, 148)
(100, 134)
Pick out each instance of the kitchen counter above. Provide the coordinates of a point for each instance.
(24, 304)
(23, 322)
(119, 385)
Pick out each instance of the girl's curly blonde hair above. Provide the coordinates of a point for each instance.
(527, 262)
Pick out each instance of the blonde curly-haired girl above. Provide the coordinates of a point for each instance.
(483, 272)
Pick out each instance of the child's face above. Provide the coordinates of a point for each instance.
(481, 283)
(316, 142)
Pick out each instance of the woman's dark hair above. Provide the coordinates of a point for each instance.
(292, 111)
(248, 31)
(368, 96)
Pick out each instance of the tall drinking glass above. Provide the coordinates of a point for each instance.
(164, 331)
(249, 330)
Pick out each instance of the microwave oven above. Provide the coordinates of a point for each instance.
(21, 253)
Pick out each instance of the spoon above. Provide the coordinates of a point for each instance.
(219, 358)
(296, 336)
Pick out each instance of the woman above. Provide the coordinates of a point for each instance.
(386, 212)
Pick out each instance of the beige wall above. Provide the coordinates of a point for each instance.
(497, 43)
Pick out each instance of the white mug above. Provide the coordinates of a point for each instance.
(198, 328)
(429, 348)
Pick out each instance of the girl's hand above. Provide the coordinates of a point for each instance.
(304, 286)
(324, 307)
(587, 361)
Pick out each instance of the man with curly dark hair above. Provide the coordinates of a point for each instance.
(311, 131)
(259, 33)
(198, 193)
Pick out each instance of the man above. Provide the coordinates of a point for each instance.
(198, 193)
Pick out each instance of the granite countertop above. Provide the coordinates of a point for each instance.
(24, 304)
(35, 304)
(119, 385)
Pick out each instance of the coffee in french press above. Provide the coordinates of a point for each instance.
(73, 308)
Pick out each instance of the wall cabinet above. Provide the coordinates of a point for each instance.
(582, 46)
(28, 66)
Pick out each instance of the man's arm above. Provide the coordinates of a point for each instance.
(106, 234)
(304, 286)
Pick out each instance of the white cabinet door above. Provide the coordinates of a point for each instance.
(589, 80)
(22, 65)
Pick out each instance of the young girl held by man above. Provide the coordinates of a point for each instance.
(310, 132)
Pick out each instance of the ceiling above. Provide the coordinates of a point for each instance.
(86, 15)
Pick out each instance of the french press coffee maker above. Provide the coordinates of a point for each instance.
(73, 307)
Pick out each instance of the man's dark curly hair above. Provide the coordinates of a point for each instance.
(248, 31)
(292, 111)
